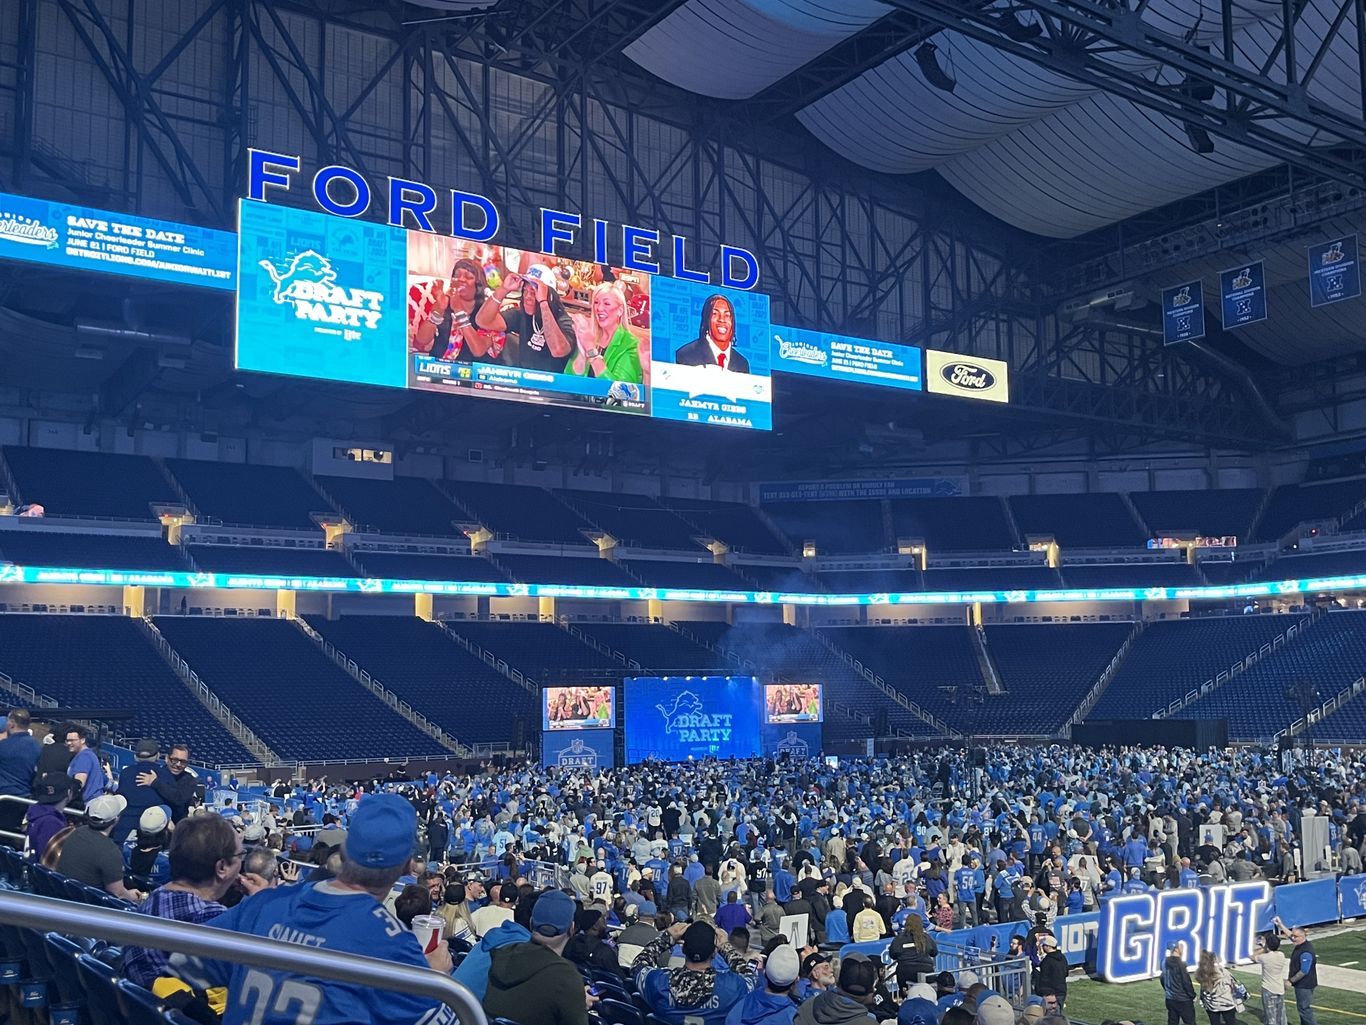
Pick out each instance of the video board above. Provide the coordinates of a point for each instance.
(335, 298)
(677, 718)
(83, 238)
(786, 703)
(579, 708)
(843, 358)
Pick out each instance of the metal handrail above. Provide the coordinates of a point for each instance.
(20, 840)
(48, 915)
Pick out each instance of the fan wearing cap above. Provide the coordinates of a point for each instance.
(699, 990)
(851, 1001)
(542, 325)
(47, 818)
(144, 853)
(90, 856)
(532, 981)
(344, 914)
(772, 1003)
(1053, 970)
(139, 798)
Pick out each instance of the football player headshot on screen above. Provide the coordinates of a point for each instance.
(712, 347)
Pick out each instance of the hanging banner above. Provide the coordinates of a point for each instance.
(1183, 313)
(1334, 273)
(1242, 294)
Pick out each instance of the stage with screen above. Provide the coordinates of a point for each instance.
(678, 718)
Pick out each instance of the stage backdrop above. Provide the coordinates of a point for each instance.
(675, 718)
(577, 749)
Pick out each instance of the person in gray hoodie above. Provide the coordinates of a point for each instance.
(850, 1003)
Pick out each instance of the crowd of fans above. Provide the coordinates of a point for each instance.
(560, 889)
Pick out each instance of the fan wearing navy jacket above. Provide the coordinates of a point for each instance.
(344, 914)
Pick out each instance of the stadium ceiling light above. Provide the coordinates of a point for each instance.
(1198, 138)
(1013, 28)
(926, 56)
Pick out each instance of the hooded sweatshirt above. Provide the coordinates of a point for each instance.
(833, 1008)
(529, 982)
(473, 972)
(763, 1008)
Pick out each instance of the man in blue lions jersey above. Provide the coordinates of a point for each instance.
(343, 914)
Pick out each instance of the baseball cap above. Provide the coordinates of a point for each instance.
(995, 1010)
(383, 832)
(147, 748)
(966, 980)
(810, 961)
(52, 787)
(858, 975)
(105, 808)
(922, 991)
(1033, 1011)
(782, 966)
(918, 1011)
(552, 914)
(540, 272)
(153, 820)
(699, 943)
(1047, 939)
(507, 893)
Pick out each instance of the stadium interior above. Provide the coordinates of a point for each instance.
(1094, 476)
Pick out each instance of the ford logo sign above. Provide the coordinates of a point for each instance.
(968, 375)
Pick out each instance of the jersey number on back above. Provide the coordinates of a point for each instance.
(263, 993)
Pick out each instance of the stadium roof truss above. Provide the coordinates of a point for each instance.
(1266, 106)
(533, 104)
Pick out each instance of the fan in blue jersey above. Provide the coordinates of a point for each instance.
(343, 914)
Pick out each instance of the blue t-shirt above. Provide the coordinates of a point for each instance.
(315, 915)
(18, 759)
(89, 763)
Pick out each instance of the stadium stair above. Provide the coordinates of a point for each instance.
(90, 661)
(211, 701)
(1265, 649)
(1331, 652)
(1097, 692)
(431, 670)
(1345, 719)
(291, 694)
(367, 680)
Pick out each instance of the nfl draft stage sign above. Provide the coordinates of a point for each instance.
(1138, 930)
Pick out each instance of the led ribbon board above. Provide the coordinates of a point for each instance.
(13, 574)
(1138, 930)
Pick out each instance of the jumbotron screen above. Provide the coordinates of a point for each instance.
(793, 702)
(579, 708)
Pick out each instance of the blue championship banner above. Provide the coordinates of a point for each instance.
(577, 749)
(81, 238)
(1242, 294)
(1183, 313)
(1334, 271)
(709, 349)
(841, 358)
(321, 297)
(678, 718)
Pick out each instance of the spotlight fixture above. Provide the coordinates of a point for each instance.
(1020, 31)
(926, 56)
(1198, 138)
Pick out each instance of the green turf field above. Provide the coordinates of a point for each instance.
(1091, 1001)
(1142, 1001)
(1340, 950)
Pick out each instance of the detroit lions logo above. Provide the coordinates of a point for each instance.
(685, 704)
(9, 573)
(689, 721)
(307, 267)
(309, 284)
